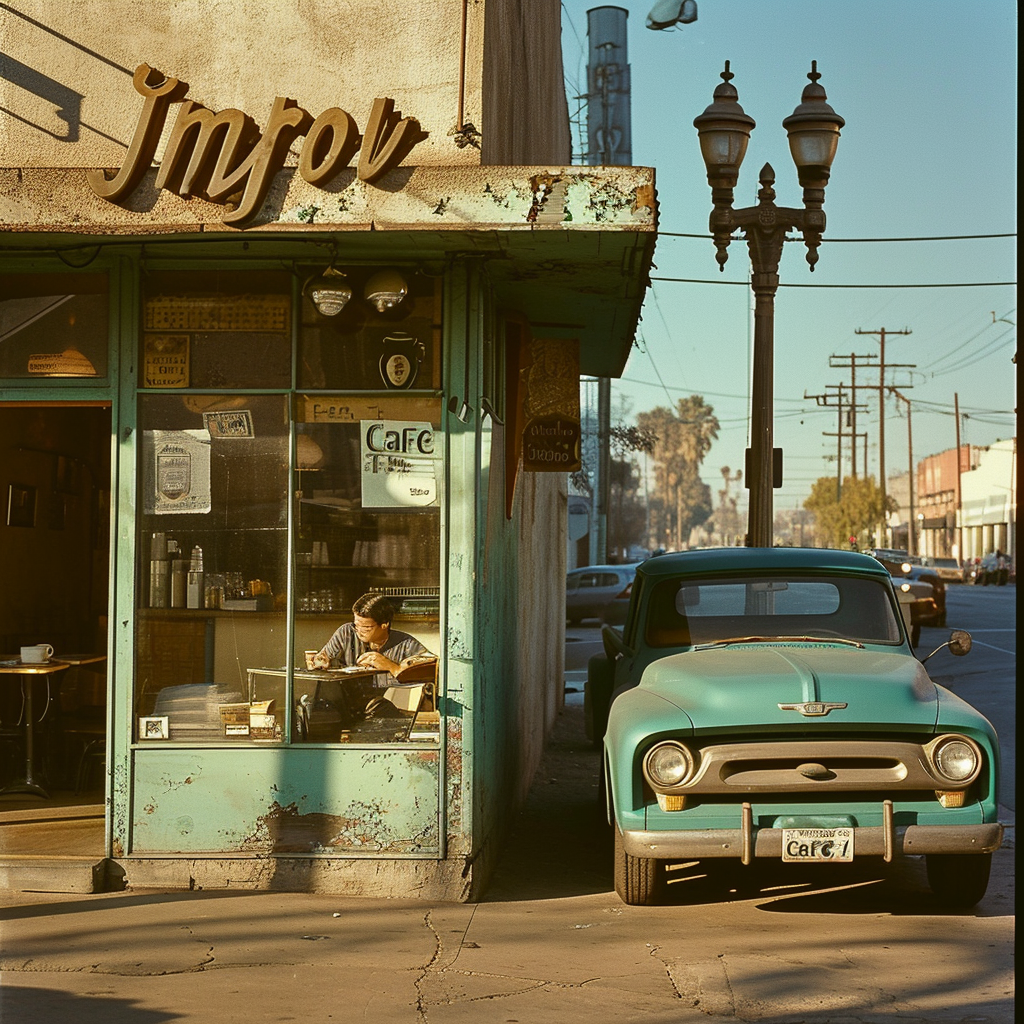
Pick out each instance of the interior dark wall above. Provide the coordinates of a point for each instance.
(54, 565)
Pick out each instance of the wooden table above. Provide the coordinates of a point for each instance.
(27, 672)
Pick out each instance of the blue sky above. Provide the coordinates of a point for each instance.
(928, 91)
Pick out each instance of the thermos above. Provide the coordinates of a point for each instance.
(195, 579)
(159, 572)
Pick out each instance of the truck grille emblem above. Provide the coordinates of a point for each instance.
(812, 709)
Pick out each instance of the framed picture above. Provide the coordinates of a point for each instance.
(21, 505)
(154, 728)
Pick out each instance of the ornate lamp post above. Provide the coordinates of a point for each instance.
(724, 130)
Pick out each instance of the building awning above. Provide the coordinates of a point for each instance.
(570, 248)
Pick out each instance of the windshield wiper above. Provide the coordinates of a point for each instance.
(772, 639)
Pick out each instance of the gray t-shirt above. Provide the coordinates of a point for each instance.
(346, 648)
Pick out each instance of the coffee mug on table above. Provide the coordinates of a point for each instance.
(37, 654)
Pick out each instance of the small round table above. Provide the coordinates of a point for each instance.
(26, 673)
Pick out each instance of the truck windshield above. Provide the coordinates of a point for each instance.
(685, 612)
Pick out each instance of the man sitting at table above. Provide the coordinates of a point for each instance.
(369, 641)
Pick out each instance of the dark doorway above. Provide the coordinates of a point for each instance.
(55, 486)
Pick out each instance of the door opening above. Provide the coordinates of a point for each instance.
(55, 486)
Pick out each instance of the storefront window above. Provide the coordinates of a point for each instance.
(367, 526)
(216, 330)
(288, 569)
(53, 326)
(385, 337)
(212, 570)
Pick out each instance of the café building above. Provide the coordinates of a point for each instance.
(294, 302)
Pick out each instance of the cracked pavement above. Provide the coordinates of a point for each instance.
(549, 942)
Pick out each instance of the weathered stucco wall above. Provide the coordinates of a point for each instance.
(66, 71)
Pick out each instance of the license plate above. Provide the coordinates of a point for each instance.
(829, 845)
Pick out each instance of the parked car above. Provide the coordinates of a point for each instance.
(591, 590)
(766, 703)
(947, 569)
(925, 613)
(917, 603)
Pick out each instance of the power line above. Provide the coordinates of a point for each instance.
(746, 284)
(926, 238)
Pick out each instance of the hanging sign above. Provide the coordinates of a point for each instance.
(551, 407)
(176, 471)
(399, 464)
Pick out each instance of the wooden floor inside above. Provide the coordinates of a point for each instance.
(66, 825)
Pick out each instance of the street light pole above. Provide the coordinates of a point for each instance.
(724, 131)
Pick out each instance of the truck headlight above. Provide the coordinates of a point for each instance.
(956, 758)
(668, 764)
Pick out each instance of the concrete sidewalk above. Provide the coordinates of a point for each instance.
(550, 942)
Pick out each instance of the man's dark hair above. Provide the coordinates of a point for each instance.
(376, 607)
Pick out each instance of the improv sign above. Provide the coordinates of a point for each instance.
(217, 156)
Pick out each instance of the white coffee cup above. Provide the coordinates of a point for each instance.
(38, 654)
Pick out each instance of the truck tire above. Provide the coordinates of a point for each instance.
(958, 880)
(639, 881)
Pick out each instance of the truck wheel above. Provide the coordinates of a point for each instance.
(959, 880)
(597, 697)
(639, 881)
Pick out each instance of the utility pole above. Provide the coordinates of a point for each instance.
(882, 332)
(609, 141)
(823, 401)
(834, 362)
(959, 470)
(911, 545)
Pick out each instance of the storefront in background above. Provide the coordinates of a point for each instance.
(252, 372)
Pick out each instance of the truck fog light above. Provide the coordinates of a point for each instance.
(956, 759)
(951, 797)
(671, 802)
(668, 764)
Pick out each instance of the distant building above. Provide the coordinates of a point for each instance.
(988, 503)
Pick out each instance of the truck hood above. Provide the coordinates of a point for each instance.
(744, 684)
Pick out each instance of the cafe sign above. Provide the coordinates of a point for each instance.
(219, 156)
(399, 464)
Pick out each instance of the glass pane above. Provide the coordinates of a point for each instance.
(216, 330)
(53, 325)
(367, 565)
(365, 348)
(706, 611)
(212, 566)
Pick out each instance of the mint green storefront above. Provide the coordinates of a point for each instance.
(237, 420)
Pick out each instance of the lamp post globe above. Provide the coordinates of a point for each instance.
(723, 130)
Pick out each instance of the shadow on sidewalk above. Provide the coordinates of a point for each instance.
(559, 844)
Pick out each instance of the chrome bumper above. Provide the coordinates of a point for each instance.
(748, 842)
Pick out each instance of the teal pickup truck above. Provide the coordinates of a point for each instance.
(766, 703)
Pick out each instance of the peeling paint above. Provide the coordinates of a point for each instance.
(370, 828)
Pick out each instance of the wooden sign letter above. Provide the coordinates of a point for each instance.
(387, 140)
(159, 96)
